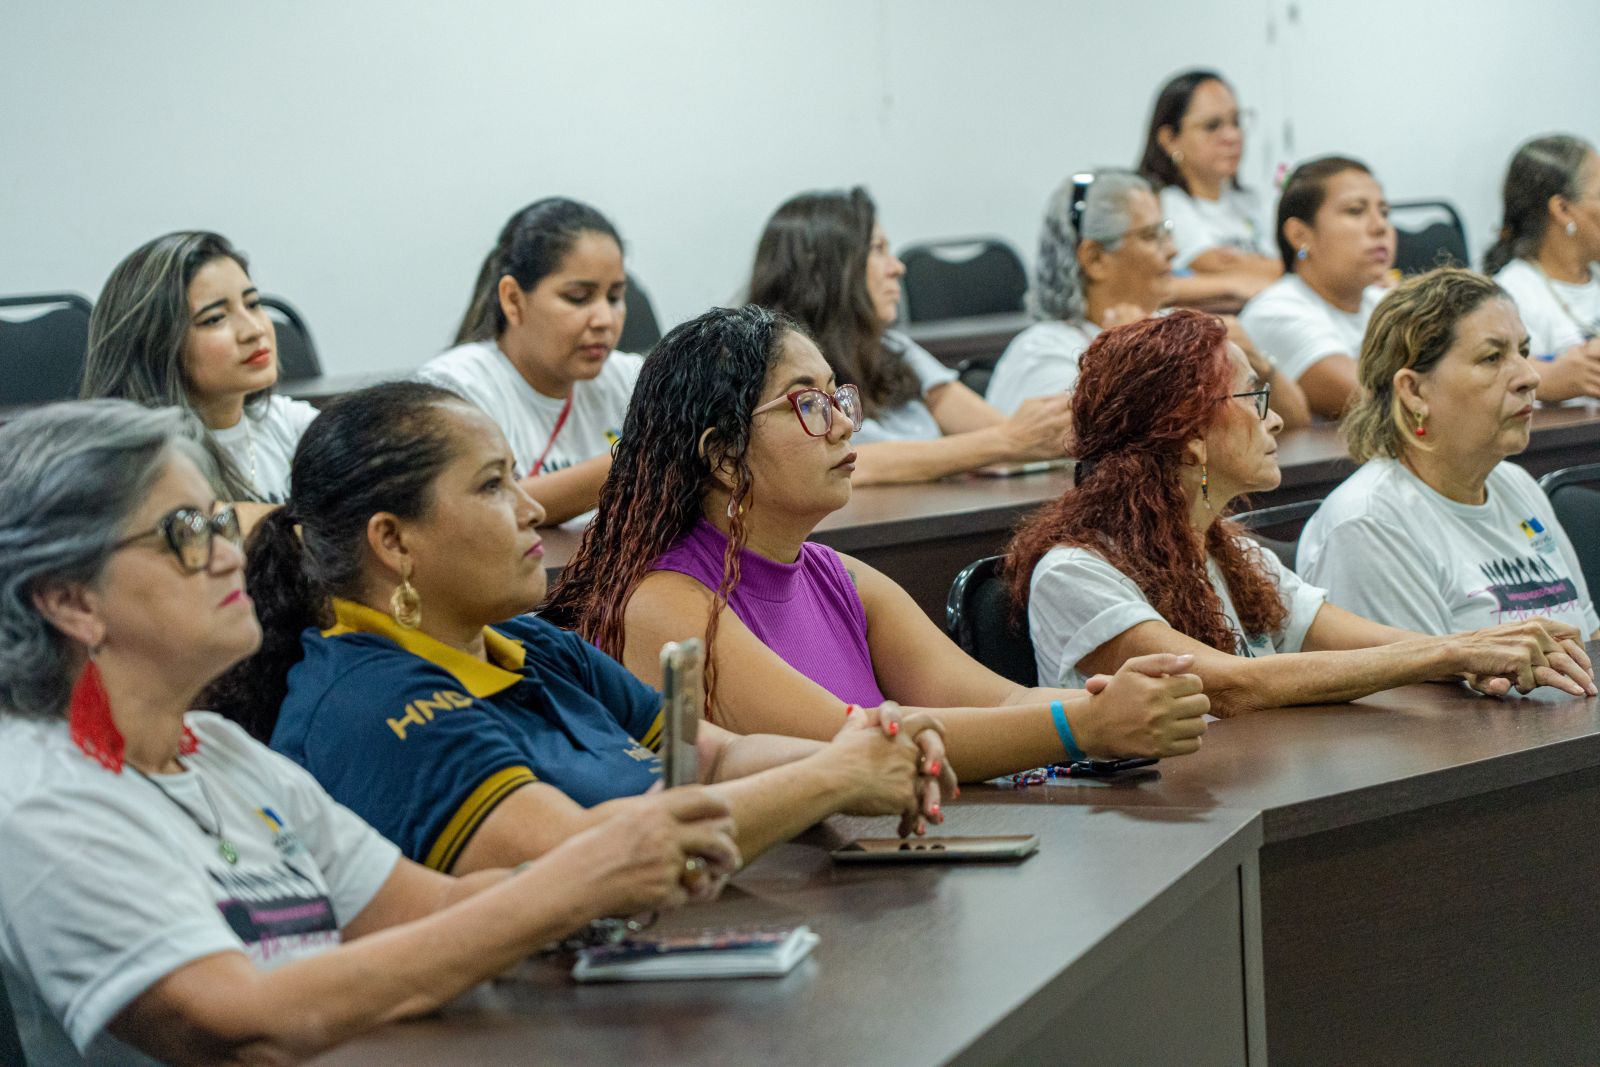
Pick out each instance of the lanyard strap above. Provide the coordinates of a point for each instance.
(561, 420)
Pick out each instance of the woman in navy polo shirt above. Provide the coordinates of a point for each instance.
(386, 669)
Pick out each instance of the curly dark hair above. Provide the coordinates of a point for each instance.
(1143, 392)
(706, 374)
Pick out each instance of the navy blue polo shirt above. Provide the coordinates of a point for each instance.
(423, 740)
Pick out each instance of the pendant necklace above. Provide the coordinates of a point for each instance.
(225, 847)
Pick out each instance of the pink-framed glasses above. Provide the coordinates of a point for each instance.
(814, 408)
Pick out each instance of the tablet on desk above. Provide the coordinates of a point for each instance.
(1011, 470)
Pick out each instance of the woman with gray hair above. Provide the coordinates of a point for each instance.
(171, 890)
(1105, 258)
(1547, 258)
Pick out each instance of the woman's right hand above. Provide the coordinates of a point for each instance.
(639, 859)
(892, 763)
(1038, 428)
(1523, 656)
(1150, 707)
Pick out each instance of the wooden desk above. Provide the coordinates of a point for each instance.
(1430, 872)
(1126, 940)
(922, 535)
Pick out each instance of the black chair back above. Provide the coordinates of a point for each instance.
(1279, 528)
(958, 278)
(977, 372)
(978, 618)
(1575, 495)
(43, 342)
(297, 353)
(10, 1043)
(1429, 233)
(640, 331)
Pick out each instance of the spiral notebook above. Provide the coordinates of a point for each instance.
(764, 952)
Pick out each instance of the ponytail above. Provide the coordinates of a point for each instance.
(286, 602)
(1542, 168)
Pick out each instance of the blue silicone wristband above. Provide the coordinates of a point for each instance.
(1064, 730)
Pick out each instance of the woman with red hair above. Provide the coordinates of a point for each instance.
(1171, 426)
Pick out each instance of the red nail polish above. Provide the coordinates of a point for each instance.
(935, 811)
(957, 793)
(894, 729)
(933, 768)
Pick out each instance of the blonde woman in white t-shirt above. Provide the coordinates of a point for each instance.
(1548, 259)
(1337, 247)
(1191, 156)
(1437, 531)
(534, 350)
(180, 323)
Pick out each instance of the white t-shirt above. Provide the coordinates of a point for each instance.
(107, 887)
(911, 421)
(1232, 221)
(1387, 547)
(1297, 328)
(1077, 602)
(264, 441)
(480, 372)
(1040, 361)
(1551, 330)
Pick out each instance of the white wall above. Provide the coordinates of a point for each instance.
(366, 153)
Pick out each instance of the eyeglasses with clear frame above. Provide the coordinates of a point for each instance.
(1261, 397)
(814, 408)
(190, 535)
(1156, 232)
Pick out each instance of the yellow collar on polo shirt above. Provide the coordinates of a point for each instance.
(481, 679)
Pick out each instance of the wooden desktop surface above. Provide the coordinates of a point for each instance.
(1095, 949)
(922, 535)
(1429, 877)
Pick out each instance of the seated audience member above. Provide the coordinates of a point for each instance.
(824, 260)
(399, 669)
(1172, 425)
(1548, 259)
(180, 323)
(1105, 258)
(737, 444)
(1191, 156)
(1436, 531)
(534, 350)
(1337, 245)
(171, 889)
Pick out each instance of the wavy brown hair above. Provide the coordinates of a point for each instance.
(706, 374)
(1144, 391)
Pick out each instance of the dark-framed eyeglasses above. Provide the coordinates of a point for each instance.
(814, 408)
(1241, 120)
(190, 534)
(1261, 398)
(1080, 201)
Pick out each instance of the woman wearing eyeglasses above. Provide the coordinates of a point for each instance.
(400, 669)
(172, 891)
(1436, 531)
(738, 442)
(1171, 426)
(1548, 259)
(1191, 154)
(1337, 247)
(824, 260)
(1105, 258)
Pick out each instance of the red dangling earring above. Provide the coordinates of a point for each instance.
(90, 723)
(1421, 430)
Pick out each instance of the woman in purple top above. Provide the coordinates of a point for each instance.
(736, 445)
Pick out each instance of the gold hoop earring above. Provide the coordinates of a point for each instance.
(405, 604)
(1205, 487)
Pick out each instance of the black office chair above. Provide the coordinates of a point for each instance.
(10, 1043)
(1575, 495)
(957, 278)
(42, 347)
(978, 618)
(1279, 528)
(976, 372)
(640, 331)
(1429, 233)
(297, 353)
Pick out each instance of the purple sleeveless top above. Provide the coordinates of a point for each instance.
(808, 612)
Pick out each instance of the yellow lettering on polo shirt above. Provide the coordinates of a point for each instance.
(420, 712)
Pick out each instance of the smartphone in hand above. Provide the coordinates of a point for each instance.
(683, 703)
